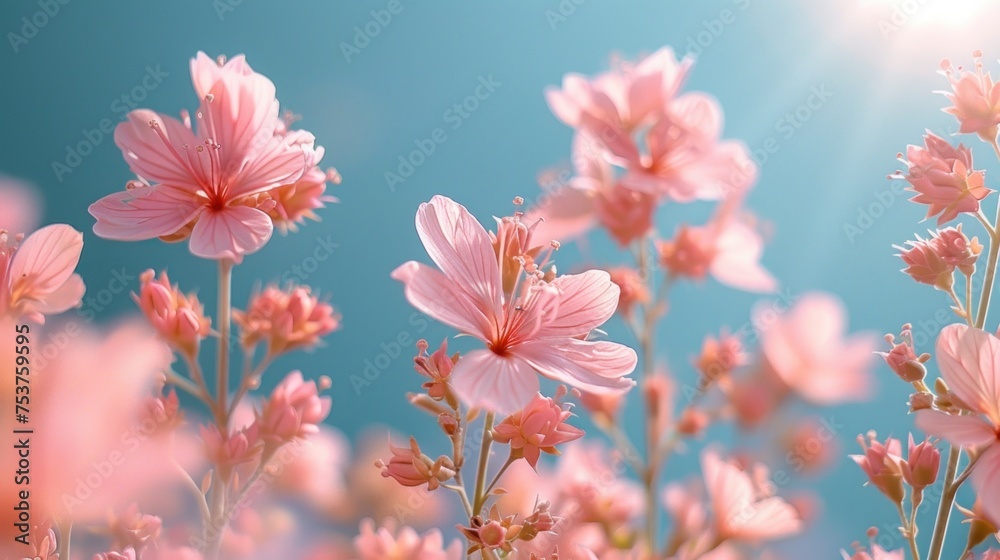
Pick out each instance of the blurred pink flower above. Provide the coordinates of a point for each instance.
(969, 360)
(389, 543)
(203, 182)
(37, 275)
(874, 552)
(728, 247)
(286, 319)
(178, 318)
(687, 160)
(588, 482)
(943, 178)
(540, 327)
(21, 207)
(685, 503)
(227, 452)
(740, 511)
(881, 463)
(294, 410)
(609, 107)
(633, 289)
(126, 554)
(132, 529)
(539, 426)
(410, 467)
(806, 348)
(975, 99)
(720, 356)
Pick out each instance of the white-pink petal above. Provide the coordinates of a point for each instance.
(501, 384)
(434, 294)
(593, 366)
(960, 430)
(230, 233)
(969, 359)
(144, 213)
(586, 301)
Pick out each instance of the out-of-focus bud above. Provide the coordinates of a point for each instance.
(692, 422)
(448, 424)
(633, 289)
(719, 357)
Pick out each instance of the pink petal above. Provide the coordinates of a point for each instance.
(593, 366)
(959, 430)
(566, 213)
(433, 293)
(231, 233)
(21, 208)
(462, 249)
(969, 359)
(586, 301)
(736, 510)
(277, 163)
(241, 117)
(47, 258)
(484, 379)
(986, 479)
(64, 297)
(737, 263)
(144, 213)
(770, 518)
(156, 159)
(205, 71)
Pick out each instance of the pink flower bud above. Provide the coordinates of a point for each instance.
(410, 467)
(540, 426)
(177, 317)
(690, 253)
(437, 367)
(720, 356)
(881, 462)
(626, 214)
(925, 265)
(943, 178)
(294, 410)
(902, 358)
(922, 463)
(286, 319)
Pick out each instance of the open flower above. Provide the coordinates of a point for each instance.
(538, 427)
(294, 410)
(529, 324)
(285, 319)
(410, 467)
(37, 275)
(403, 543)
(969, 360)
(943, 178)
(881, 462)
(975, 99)
(203, 182)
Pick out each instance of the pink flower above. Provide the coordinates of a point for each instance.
(720, 356)
(540, 426)
(410, 467)
(436, 366)
(294, 410)
(127, 554)
(876, 552)
(741, 512)
(925, 265)
(589, 483)
(903, 359)
(204, 182)
(943, 178)
(687, 160)
(37, 272)
(286, 319)
(388, 543)
(609, 107)
(969, 360)
(923, 460)
(135, 530)
(807, 350)
(975, 99)
(728, 247)
(956, 249)
(22, 206)
(881, 462)
(228, 452)
(603, 406)
(632, 288)
(178, 318)
(534, 324)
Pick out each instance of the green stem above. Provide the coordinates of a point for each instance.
(944, 508)
(479, 498)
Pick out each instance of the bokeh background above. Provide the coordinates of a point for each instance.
(824, 190)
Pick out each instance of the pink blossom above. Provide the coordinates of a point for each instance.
(588, 481)
(687, 160)
(410, 467)
(969, 360)
(132, 529)
(881, 463)
(806, 349)
(632, 287)
(720, 356)
(227, 452)
(956, 249)
(286, 319)
(126, 554)
(37, 275)
(178, 318)
(22, 206)
(975, 99)
(923, 460)
(203, 182)
(294, 410)
(539, 426)
(943, 178)
(436, 366)
(609, 107)
(728, 247)
(903, 359)
(533, 324)
(924, 265)
(390, 543)
(740, 511)
(874, 552)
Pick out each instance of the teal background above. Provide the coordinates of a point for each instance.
(369, 110)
